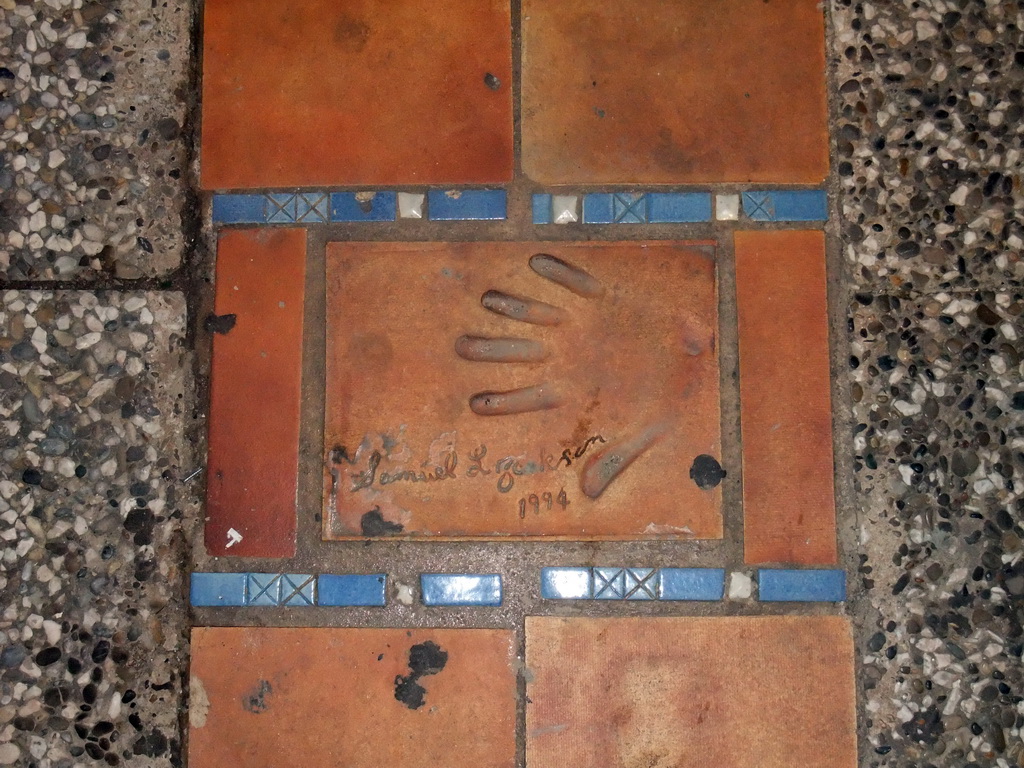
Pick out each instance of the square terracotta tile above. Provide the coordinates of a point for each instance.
(522, 389)
(255, 389)
(750, 692)
(635, 92)
(359, 698)
(789, 511)
(317, 92)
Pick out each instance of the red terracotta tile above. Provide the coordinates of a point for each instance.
(785, 401)
(615, 360)
(629, 91)
(318, 92)
(323, 698)
(751, 692)
(252, 467)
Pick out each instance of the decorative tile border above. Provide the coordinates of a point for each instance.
(679, 207)
(784, 585)
(460, 589)
(557, 583)
(611, 583)
(287, 589)
(801, 205)
(623, 208)
(347, 207)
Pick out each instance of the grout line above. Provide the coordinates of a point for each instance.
(516, 11)
(522, 671)
(309, 502)
(729, 402)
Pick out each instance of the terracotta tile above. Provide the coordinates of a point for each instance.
(785, 402)
(622, 363)
(322, 698)
(677, 92)
(252, 467)
(317, 92)
(751, 692)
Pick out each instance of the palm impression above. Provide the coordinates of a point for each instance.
(609, 461)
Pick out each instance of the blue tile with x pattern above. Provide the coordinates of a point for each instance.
(786, 205)
(759, 206)
(629, 208)
(625, 584)
(302, 207)
(281, 589)
(263, 589)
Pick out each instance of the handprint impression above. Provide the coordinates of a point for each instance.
(603, 467)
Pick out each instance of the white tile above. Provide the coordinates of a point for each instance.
(410, 205)
(741, 586)
(564, 209)
(727, 207)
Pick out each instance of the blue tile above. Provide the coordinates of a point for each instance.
(786, 205)
(239, 209)
(801, 205)
(675, 207)
(542, 209)
(263, 589)
(629, 208)
(598, 208)
(217, 589)
(312, 207)
(280, 208)
(345, 207)
(351, 589)
(780, 585)
(460, 589)
(692, 583)
(609, 583)
(641, 583)
(469, 204)
(565, 583)
(759, 206)
(298, 589)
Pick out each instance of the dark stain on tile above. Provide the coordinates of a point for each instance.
(427, 658)
(424, 659)
(706, 472)
(219, 323)
(256, 700)
(374, 524)
(351, 34)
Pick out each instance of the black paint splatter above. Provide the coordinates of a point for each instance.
(706, 472)
(219, 323)
(374, 524)
(409, 692)
(424, 659)
(256, 700)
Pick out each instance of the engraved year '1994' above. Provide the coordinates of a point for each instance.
(535, 502)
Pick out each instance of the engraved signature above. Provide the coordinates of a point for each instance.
(505, 469)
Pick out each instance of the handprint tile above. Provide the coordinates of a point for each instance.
(522, 389)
